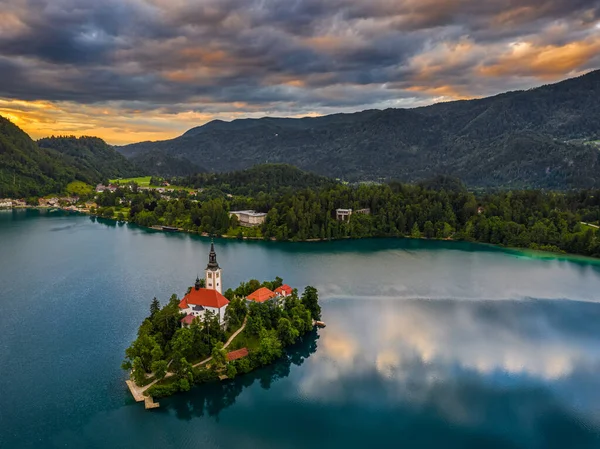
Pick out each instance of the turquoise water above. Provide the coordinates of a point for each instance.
(427, 344)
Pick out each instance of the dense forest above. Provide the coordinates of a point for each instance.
(265, 178)
(93, 159)
(25, 168)
(441, 208)
(29, 169)
(541, 138)
(165, 351)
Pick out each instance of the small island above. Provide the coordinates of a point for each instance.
(210, 336)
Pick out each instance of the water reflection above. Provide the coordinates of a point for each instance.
(211, 399)
(444, 354)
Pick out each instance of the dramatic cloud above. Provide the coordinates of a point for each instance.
(156, 67)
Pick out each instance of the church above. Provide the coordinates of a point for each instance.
(200, 299)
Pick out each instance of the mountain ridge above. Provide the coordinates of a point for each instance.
(455, 138)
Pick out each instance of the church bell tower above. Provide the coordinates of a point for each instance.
(213, 272)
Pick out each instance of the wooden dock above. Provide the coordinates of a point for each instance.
(149, 403)
(135, 392)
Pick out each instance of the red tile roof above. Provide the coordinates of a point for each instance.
(234, 355)
(188, 319)
(203, 297)
(261, 295)
(284, 290)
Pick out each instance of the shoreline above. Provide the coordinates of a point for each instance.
(543, 254)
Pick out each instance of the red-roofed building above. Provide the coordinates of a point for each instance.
(199, 300)
(234, 355)
(187, 320)
(261, 295)
(284, 290)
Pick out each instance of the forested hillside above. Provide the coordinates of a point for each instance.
(543, 137)
(155, 163)
(31, 169)
(26, 169)
(93, 158)
(265, 178)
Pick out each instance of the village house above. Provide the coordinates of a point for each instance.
(101, 188)
(6, 204)
(199, 300)
(249, 218)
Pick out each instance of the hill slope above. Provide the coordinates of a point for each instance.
(266, 178)
(517, 139)
(93, 158)
(26, 169)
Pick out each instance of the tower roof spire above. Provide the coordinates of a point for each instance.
(212, 258)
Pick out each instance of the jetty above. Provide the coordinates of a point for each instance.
(149, 403)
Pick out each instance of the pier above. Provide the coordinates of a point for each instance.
(149, 403)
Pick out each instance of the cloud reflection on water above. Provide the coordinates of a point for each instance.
(426, 352)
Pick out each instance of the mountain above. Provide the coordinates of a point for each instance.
(156, 163)
(93, 158)
(28, 169)
(532, 138)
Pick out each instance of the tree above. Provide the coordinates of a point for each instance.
(182, 342)
(310, 299)
(415, 233)
(138, 372)
(219, 357)
(160, 368)
(154, 307)
(231, 371)
(269, 347)
(254, 324)
(286, 333)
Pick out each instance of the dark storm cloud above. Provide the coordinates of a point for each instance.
(293, 56)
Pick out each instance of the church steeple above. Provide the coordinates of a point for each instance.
(213, 271)
(212, 258)
(197, 284)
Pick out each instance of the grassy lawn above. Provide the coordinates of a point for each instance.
(79, 188)
(142, 181)
(244, 340)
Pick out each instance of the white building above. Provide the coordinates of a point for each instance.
(249, 218)
(199, 300)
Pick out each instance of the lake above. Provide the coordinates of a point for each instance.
(428, 344)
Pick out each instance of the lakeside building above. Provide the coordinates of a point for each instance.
(249, 218)
(6, 204)
(199, 299)
(344, 214)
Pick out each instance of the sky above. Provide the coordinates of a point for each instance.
(136, 70)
